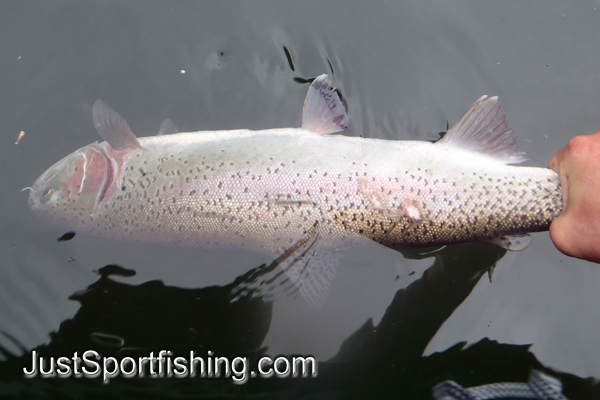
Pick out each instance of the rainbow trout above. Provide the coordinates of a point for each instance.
(264, 190)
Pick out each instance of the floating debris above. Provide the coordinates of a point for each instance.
(66, 236)
(21, 134)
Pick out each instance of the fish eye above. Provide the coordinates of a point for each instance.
(46, 196)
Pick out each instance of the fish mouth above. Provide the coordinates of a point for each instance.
(51, 172)
(45, 187)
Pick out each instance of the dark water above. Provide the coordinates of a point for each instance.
(405, 69)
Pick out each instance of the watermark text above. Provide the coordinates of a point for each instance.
(92, 365)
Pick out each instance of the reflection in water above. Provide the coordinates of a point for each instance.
(154, 316)
(120, 320)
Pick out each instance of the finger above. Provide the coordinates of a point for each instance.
(572, 243)
(559, 233)
(556, 163)
(557, 159)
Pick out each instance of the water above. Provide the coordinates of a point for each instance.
(405, 69)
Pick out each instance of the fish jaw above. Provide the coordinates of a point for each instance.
(76, 186)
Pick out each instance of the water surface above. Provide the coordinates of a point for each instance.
(405, 68)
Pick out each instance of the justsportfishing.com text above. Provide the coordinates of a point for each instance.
(92, 365)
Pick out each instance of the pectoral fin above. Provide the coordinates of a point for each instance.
(113, 128)
(313, 273)
(305, 269)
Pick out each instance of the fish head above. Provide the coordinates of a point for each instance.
(69, 192)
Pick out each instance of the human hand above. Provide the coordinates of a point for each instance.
(576, 232)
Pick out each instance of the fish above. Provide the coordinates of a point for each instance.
(266, 190)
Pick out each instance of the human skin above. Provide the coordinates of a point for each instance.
(576, 232)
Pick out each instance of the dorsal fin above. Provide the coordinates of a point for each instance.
(167, 127)
(113, 128)
(325, 111)
(483, 130)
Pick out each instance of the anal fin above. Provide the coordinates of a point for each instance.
(516, 242)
